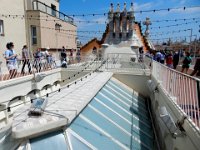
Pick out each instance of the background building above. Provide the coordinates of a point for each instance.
(39, 24)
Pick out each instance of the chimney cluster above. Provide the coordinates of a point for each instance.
(121, 22)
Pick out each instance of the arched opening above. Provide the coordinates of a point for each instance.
(32, 95)
(14, 104)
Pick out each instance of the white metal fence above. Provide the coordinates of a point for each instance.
(125, 61)
(41, 65)
(184, 89)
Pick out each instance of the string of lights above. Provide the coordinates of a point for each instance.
(67, 34)
(62, 31)
(174, 25)
(175, 20)
(168, 32)
(96, 32)
(139, 11)
(93, 14)
(50, 20)
(31, 17)
(175, 37)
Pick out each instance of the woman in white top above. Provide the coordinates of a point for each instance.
(11, 60)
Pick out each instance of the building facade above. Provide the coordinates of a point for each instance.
(38, 24)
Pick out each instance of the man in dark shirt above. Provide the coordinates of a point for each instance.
(196, 68)
(175, 59)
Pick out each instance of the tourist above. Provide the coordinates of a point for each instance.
(175, 59)
(196, 67)
(25, 59)
(169, 60)
(141, 54)
(162, 57)
(48, 58)
(37, 61)
(100, 54)
(11, 60)
(94, 50)
(157, 56)
(47, 55)
(63, 56)
(71, 56)
(186, 62)
(52, 60)
(78, 56)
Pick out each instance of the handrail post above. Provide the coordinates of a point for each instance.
(36, 5)
(198, 93)
(0, 71)
(46, 8)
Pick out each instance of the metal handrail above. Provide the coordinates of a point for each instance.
(57, 14)
(127, 61)
(182, 88)
(42, 65)
(102, 62)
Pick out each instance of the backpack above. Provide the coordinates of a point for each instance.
(187, 60)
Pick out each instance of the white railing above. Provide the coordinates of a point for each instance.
(41, 65)
(37, 5)
(7, 107)
(182, 88)
(125, 61)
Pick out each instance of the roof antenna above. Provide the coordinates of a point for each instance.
(118, 7)
(111, 8)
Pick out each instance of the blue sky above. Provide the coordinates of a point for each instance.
(102, 6)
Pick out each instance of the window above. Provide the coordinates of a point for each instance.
(34, 35)
(53, 10)
(1, 28)
(58, 26)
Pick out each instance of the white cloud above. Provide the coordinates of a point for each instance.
(144, 6)
(182, 2)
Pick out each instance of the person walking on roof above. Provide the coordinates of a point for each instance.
(186, 62)
(37, 61)
(11, 60)
(169, 60)
(157, 56)
(162, 57)
(25, 59)
(196, 67)
(175, 60)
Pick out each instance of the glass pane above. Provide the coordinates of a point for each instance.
(50, 141)
(34, 40)
(77, 144)
(34, 33)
